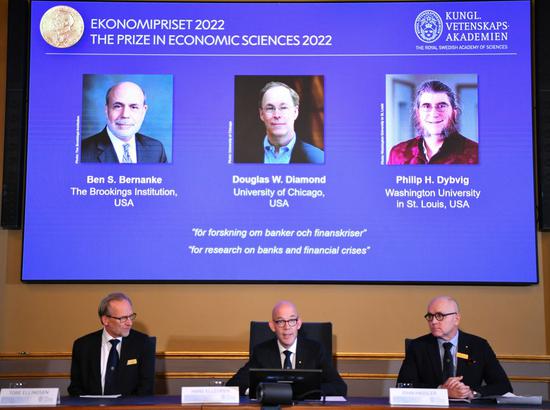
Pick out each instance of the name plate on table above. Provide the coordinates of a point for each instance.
(419, 397)
(210, 394)
(29, 397)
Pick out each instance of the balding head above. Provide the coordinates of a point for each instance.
(285, 322)
(445, 307)
(125, 108)
(448, 299)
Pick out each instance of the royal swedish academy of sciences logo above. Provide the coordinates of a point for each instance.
(428, 26)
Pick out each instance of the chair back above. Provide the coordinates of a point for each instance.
(407, 343)
(153, 343)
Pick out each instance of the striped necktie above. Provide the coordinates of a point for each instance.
(126, 159)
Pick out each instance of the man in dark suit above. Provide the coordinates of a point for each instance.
(115, 360)
(288, 350)
(278, 109)
(119, 141)
(449, 358)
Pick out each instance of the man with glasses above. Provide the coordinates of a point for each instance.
(438, 141)
(451, 359)
(288, 351)
(278, 110)
(116, 359)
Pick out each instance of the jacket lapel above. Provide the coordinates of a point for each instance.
(105, 148)
(275, 356)
(141, 152)
(126, 353)
(435, 359)
(300, 354)
(464, 348)
(95, 357)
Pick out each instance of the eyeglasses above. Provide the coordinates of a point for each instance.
(438, 316)
(124, 319)
(282, 322)
(439, 107)
(270, 110)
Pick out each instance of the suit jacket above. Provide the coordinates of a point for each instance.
(306, 153)
(302, 152)
(98, 148)
(136, 369)
(309, 355)
(422, 365)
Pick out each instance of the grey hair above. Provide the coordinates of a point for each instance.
(103, 308)
(293, 94)
(435, 86)
(113, 86)
(448, 299)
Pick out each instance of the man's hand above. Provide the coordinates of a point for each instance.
(456, 389)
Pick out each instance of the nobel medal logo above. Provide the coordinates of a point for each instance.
(61, 26)
(428, 26)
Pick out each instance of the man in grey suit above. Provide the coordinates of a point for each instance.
(287, 350)
(119, 141)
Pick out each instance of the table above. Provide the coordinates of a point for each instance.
(174, 403)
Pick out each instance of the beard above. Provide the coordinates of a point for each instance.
(445, 132)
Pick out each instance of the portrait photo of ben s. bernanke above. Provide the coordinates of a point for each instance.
(126, 119)
(279, 120)
(432, 119)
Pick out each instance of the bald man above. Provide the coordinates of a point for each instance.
(451, 359)
(304, 353)
(120, 142)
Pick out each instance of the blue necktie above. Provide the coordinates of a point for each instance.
(288, 363)
(110, 373)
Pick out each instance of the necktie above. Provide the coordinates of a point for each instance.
(448, 365)
(288, 363)
(126, 157)
(110, 373)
